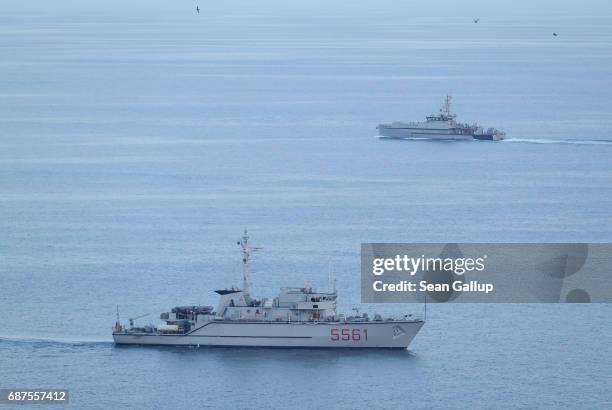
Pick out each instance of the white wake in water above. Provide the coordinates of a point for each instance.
(54, 340)
(515, 140)
(558, 141)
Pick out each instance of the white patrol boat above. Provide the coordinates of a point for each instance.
(440, 126)
(297, 317)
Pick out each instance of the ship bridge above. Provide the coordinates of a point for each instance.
(305, 299)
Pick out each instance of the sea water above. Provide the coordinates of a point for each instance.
(134, 150)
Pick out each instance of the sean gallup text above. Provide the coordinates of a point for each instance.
(424, 286)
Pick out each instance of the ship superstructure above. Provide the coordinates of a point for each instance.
(440, 126)
(297, 317)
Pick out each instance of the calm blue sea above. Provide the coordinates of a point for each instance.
(135, 149)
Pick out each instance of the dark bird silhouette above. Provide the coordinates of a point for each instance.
(198, 9)
(476, 20)
(555, 34)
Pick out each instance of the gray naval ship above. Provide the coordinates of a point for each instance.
(297, 317)
(440, 126)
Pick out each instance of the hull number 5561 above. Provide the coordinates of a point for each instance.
(348, 334)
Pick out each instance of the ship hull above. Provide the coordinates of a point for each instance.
(421, 133)
(373, 334)
(487, 137)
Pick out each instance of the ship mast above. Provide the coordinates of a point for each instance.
(446, 109)
(246, 269)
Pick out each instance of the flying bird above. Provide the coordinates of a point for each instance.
(198, 9)
(555, 34)
(476, 20)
